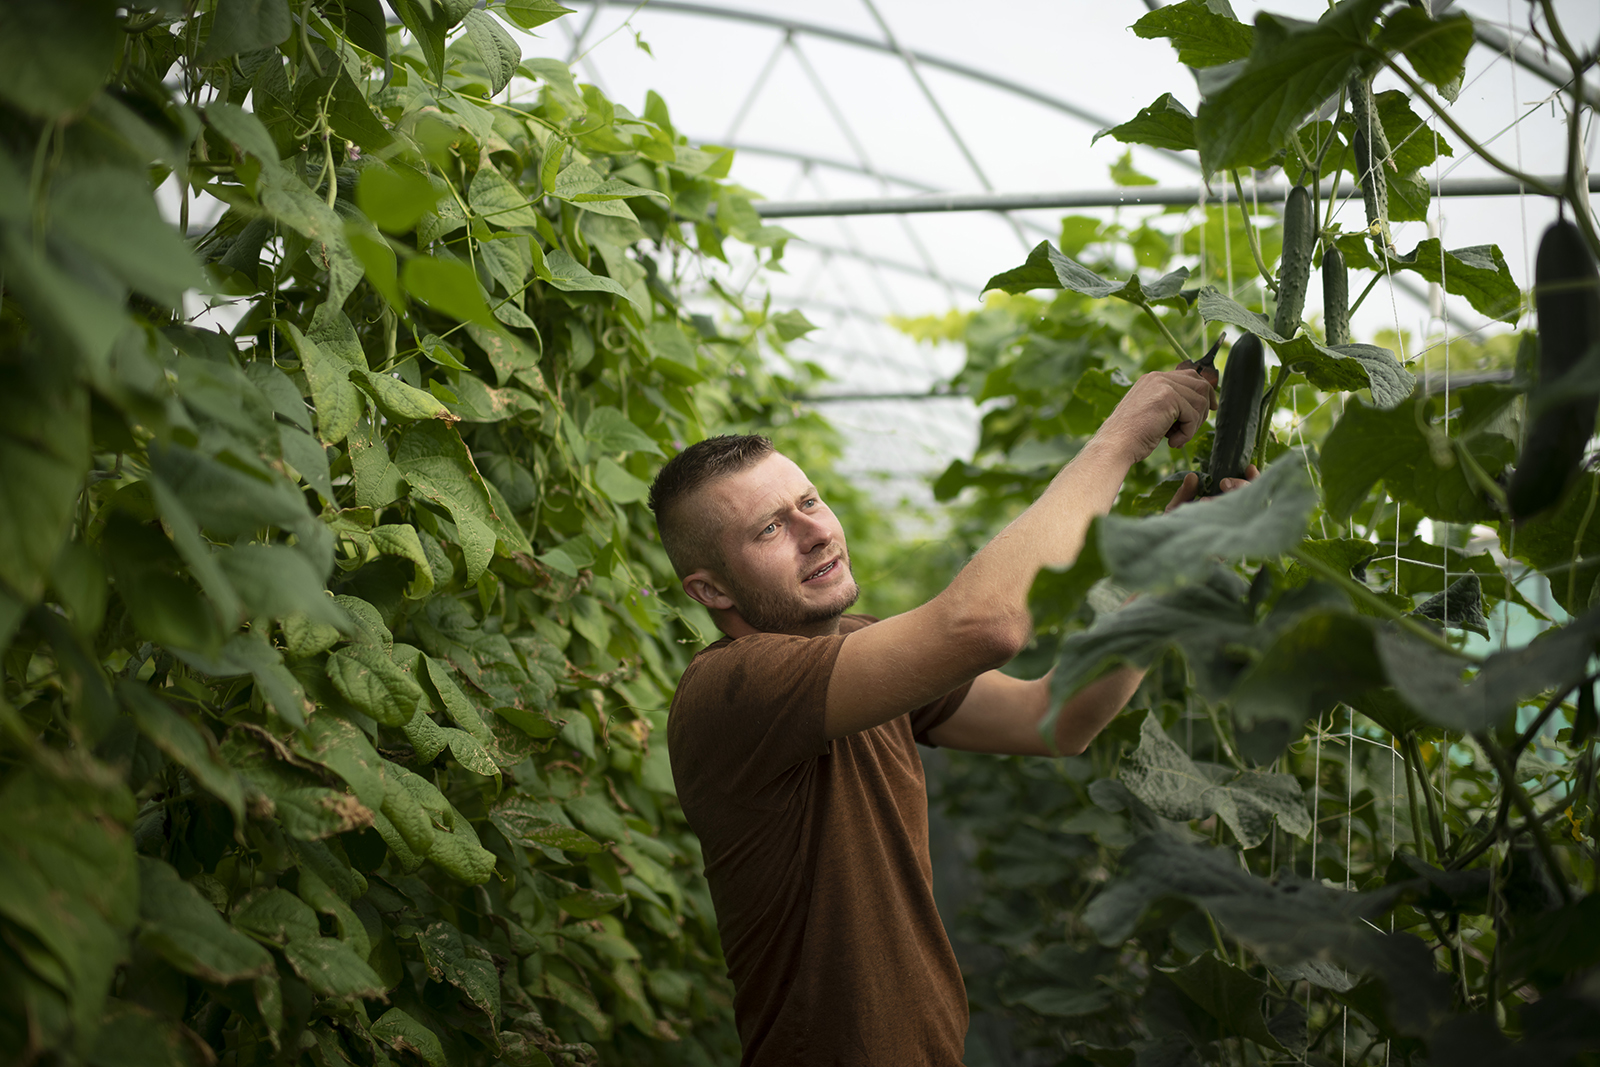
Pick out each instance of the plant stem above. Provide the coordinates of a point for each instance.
(1379, 606)
(1171, 340)
(1417, 837)
(1264, 424)
(1376, 278)
(1424, 779)
(1576, 191)
(1250, 236)
(1577, 541)
(1509, 783)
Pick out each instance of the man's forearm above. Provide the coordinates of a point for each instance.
(1049, 534)
(1088, 711)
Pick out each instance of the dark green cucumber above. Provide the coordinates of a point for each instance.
(1244, 381)
(1566, 294)
(1335, 297)
(1294, 269)
(1371, 146)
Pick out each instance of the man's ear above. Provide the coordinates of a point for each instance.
(704, 587)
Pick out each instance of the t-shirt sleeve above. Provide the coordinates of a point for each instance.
(930, 715)
(749, 715)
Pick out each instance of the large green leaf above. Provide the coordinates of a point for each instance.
(1430, 679)
(450, 960)
(497, 50)
(370, 680)
(1251, 107)
(68, 875)
(404, 1034)
(448, 286)
(1164, 124)
(246, 26)
(55, 56)
(111, 215)
(1436, 48)
(1050, 268)
(337, 402)
(395, 197)
(531, 14)
(1288, 920)
(1203, 619)
(1344, 367)
(181, 925)
(1204, 32)
(1415, 465)
(190, 746)
(332, 969)
(44, 452)
(1229, 995)
(278, 916)
(493, 196)
(1176, 787)
(289, 200)
(1261, 520)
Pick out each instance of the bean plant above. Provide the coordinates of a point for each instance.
(335, 634)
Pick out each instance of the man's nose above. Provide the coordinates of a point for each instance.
(813, 532)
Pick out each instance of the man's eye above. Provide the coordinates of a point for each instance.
(770, 527)
(812, 502)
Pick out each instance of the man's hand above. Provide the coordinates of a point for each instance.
(1191, 486)
(1162, 404)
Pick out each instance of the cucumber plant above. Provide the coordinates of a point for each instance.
(1351, 816)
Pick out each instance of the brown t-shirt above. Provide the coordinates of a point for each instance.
(817, 856)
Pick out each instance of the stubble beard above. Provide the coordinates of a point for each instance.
(777, 613)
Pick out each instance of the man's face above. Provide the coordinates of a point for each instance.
(785, 568)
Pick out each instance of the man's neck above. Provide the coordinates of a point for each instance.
(734, 625)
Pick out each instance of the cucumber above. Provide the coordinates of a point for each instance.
(1335, 297)
(1244, 381)
(1566, 294)
(1294, 269)
(1371, 146)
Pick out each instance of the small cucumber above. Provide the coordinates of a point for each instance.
(1294, 269)
(1244, 381)
(1335, 297)
(1566, 294)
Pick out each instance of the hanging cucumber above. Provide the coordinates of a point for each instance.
(1566, 294)
(1294, 269)
(1335, 297)
(1244, 381)
(1371, 146)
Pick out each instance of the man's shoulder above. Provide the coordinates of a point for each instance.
(738, 655)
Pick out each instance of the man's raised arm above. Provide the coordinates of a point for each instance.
(981, 620)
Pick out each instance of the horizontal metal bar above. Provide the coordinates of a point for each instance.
(1129, 196)
(839, 398)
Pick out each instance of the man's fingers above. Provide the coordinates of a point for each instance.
(1187, 491)
(1228, 485)
(1194, 397)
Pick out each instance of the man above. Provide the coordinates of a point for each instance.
(793, 739)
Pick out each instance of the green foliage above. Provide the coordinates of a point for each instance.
(1355, 793)
(337, 644)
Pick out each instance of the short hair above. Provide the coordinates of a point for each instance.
(689, 538)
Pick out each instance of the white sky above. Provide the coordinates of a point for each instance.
(705, 68)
